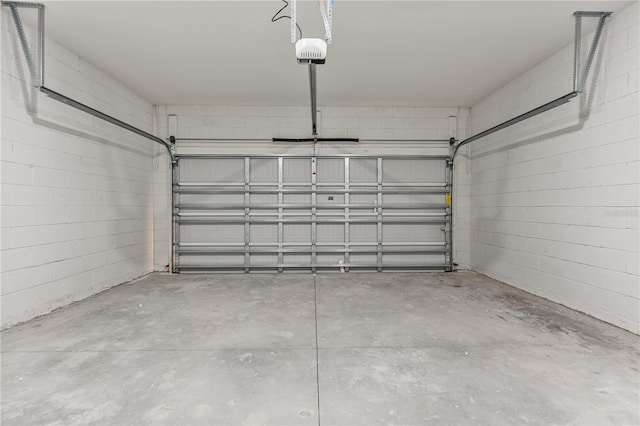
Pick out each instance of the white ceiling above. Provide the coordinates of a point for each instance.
(444, 53)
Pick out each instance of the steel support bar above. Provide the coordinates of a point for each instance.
(314, 139)
(192, 190)
(305, 156)
(175, 229)
(247, 210)
(594, 44)
(324, 244)
(378, 212)
(41, 40)
(307, 139)
(36, 80)
(314, 218)
(280, 211)
(318, 184)
(347, 212)
(312, 87)
(409, 266)
(82, 107)
(438, 220)
(207, 207)
(577, 42)
(241, 251)
(532, 113)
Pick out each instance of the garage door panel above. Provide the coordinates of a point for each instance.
(308, 213)
(297, 233)
(412, 171)
(331, 260)
(205, 233)
(263, 170)
(212, 170)
(412, 259)
(438, 198)
(219, 260)
(263, 260)
(297, 259)
(330, 233)
(297, 198)
(326, 200)
(330, 170)
(263, 234)
(411, 233)
(363, 170)
(297, 170)
(363, 233)
(212, 199)
(363, 260)
(366, 199)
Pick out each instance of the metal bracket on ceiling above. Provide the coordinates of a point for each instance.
(37, 76)
(580, 76)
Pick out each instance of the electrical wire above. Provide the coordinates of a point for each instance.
(275, 17)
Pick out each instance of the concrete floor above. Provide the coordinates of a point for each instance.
(350, 349)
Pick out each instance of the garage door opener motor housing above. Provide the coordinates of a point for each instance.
(311, 50)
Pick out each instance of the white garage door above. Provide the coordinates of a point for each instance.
(311, 213)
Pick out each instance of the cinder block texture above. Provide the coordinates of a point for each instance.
(77, 193)
(554, 199)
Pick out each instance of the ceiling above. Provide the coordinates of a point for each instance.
(392, 53)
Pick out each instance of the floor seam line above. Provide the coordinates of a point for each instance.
(271, 349)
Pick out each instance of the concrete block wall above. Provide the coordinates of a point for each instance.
(76, 192)
(554, 200)
(391, 127)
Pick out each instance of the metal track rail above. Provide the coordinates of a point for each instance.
(579, 83)
(579, 78)
(38, 74)
(38, 81)
(94, 112)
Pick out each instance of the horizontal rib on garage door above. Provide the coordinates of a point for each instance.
(311, 213)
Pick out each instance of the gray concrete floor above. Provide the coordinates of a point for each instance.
(349, 349)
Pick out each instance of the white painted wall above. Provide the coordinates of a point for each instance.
(265, 122)
(554, 200)
(77, 193)
(550, 206)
